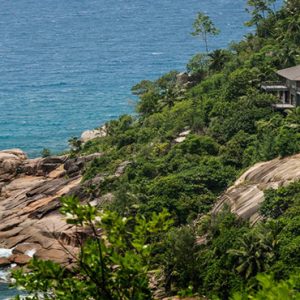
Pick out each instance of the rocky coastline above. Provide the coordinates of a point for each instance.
(30, 192)
(30, 189)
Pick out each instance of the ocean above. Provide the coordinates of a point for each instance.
(68, 66)
(6, 292)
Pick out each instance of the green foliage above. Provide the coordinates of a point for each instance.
(113, 262)
(45, 152)
(201, 145)
(203, 27)
(234, 152)
(178, 260)
(254, 253)
(198, 64)
(215, 267)
(240, 81)
(157, 94)
(187, 144)
(75, 145)
(278, 201)
(218, 59)
(270, 289)
(259, 10)
(287, 141)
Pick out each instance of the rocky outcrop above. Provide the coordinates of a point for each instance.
(247, 193)
(185, 80)
(92, 134)
(30, 190)
(10, 161)
(182, 136)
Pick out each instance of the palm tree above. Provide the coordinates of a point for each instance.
(254, 253)
(218, 59)
(169, 97)
(288, 54)
(288, 29)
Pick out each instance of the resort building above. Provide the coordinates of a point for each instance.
(287, 88)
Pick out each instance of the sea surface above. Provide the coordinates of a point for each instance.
(5, 291)
(68, 65)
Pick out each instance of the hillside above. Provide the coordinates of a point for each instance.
(148, 197)
(247, 193)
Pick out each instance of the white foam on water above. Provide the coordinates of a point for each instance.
(4, 275)
(4, 253)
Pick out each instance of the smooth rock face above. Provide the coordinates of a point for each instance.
(30, 190)
(19, 259)
(247, 193)
(92, 134)
(182, 136)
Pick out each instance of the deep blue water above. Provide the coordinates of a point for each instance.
(68, 65)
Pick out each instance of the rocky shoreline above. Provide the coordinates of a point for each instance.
(30, 190)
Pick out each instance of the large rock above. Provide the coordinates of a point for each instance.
(247, 193)
(28, 249)
(4, 262)
(10, 161)
(30, 189)
(93, 134)
(20, 259)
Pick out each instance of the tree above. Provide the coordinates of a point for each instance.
(75, 143)
(287, 141)
(218, 59)
(270, 289)
(293, 116)
(259, 10)
(253, 254)
(203, 27)
(114, 262)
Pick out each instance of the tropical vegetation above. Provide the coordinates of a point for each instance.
(192, 136)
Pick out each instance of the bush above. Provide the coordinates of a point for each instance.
(113, 263)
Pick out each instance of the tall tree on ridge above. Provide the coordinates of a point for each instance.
(203, 27)
(259, 9)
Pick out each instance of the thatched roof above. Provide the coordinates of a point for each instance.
(292, 73)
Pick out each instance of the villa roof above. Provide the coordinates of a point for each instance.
(292, 73)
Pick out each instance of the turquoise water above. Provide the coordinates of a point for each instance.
(67, 66)
(5, 292)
